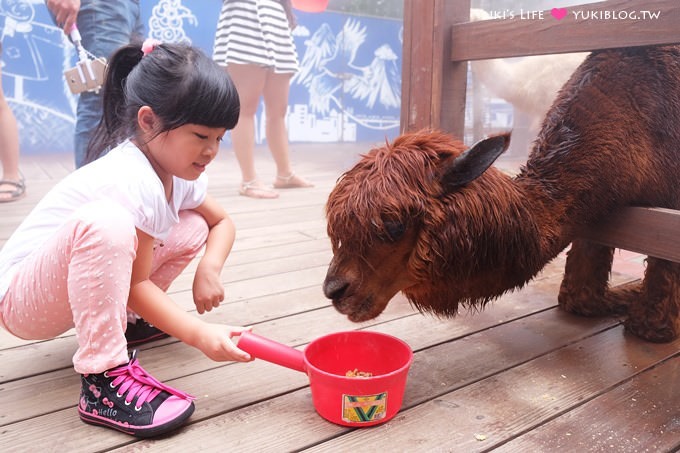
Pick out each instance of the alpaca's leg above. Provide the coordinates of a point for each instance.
(586, 275)
(620, 297)
(655, 315)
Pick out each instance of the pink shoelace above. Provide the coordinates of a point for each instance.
(134, 380)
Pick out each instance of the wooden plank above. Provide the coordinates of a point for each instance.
(651, 231)
(641, 415)
(577, 32)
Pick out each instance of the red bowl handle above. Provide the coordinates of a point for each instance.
(272, 351)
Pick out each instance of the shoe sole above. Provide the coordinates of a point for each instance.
(138, 431)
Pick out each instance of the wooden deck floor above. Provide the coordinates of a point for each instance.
(520, 376)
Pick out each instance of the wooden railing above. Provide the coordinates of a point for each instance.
(439, 40)
(651, 231)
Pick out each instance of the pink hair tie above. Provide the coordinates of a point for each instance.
(149, 44)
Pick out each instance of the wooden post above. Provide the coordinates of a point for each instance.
(433, 87)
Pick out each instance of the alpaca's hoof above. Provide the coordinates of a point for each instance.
(663, 333)
(588, 309)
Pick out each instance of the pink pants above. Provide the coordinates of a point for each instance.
(81, 278)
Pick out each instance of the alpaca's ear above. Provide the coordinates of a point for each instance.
(474, 161)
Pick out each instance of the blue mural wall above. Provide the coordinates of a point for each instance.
(348, 88)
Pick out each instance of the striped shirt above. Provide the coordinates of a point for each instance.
(255, 32)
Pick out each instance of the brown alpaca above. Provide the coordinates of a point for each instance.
(424, 216)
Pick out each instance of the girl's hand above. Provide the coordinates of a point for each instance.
(207, 289)
(214, 340)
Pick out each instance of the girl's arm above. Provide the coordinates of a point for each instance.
(207, 288)
(156, 307)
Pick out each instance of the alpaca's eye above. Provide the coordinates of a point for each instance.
(395, 230)
(389, 230)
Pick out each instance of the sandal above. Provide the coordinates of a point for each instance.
(17, 192)
(255, 189)
(291, 181)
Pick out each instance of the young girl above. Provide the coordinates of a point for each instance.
(111, 237)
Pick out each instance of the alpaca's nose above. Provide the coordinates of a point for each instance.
(334, 288)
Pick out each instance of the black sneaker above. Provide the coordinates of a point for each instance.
(142, 332)
(128, 399)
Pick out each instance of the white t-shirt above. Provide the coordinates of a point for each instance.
(124, 176)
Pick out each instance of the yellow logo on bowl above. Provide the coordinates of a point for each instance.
(364, 408)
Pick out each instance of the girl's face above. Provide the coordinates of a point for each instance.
(185, 151)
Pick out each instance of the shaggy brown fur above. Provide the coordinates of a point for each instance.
(424, 217)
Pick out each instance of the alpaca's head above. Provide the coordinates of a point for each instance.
(385, 218)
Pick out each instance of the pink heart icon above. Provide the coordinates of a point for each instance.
(558, 13)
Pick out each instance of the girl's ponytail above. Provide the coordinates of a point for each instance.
(111, 129)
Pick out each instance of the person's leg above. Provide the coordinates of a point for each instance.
(13, 189)
(185, 240)
(158, 408)
(104, 26)
(249, 82)
(80, 278)
(275, 94)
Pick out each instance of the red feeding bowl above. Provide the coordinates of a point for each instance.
(347, 401)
